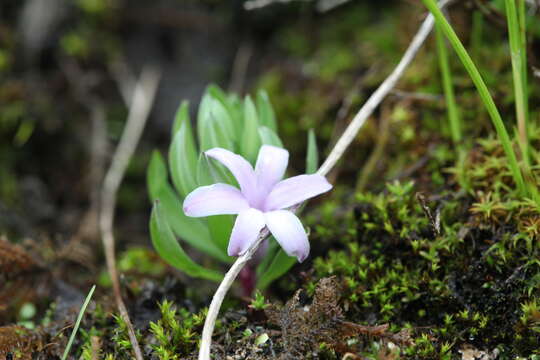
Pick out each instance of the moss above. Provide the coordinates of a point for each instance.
(465, 280)
(175, 333)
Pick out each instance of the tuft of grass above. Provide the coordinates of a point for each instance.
(483, 92)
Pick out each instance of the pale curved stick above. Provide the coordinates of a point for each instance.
(139, 110)
(337, 152)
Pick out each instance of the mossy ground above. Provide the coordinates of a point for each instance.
(420, 252)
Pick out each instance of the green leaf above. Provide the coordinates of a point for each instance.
(214, 135)
(210, 172)
(181, 114)
(269, 137)
(204, 176)
(183, 154)
(170, 250)
(250, 144)
(220, 227)
(156, 174)
(267, 116)
(312, 158)
(232, 107)
(281, 263)
(217, 93)
(191, 230)
(236, 110)
(273, 248)
(214, 124)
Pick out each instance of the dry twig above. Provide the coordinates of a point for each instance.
(139, 108)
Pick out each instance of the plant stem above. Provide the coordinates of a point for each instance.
(516, 53)
(483, 92)
(143, 96)
(453, 114)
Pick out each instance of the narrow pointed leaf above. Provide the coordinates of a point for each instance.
(269, 137)
(220, 229)
(170, 250)
(217, 93)
(236, 110)
(220, 114)
(312, 158)
(271, 252)
(183, 154)
(204, 176)
(266, 113)
(250, 142)
(215, 135)
(210, 171)
(156, 175)
(192, 230)
(203, 115)
(214, 124)
(182, 114)
(280, 264)
(230, 104)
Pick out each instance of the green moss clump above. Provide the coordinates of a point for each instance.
(175, 332)
(445, 269)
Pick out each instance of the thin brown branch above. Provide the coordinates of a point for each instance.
(139, 109)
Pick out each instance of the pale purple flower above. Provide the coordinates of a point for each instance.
(261, 201)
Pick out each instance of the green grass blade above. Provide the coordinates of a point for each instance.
(453, 113)
(520, 93)
(482, 91)
(78, 322)
(523, 40)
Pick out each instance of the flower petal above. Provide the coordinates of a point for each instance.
(247, 227)
(217, 199)
(239, 167)
(289, 233)
(294, 190)
(270, 168)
